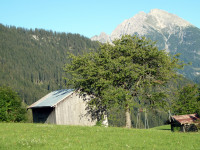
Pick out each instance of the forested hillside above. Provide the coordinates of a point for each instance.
(32, 61)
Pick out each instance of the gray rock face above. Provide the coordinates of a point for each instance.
(171, 32)
(142, 24)
(103, 38)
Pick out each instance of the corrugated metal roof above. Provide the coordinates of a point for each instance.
(186, 119)
(51, 99)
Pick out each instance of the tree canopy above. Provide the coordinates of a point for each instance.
(122, 73)
(188, 101)
(11, 109)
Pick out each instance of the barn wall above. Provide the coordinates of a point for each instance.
(51, 118)
(71, 111)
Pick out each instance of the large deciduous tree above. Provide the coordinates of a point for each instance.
(121, 72)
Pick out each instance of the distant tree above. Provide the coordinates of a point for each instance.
(120, 73)
(188, 100)
(11, 109)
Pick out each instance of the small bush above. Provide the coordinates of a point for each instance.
(11, 109)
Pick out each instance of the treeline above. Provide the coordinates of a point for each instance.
(32, 61)
(180, 101)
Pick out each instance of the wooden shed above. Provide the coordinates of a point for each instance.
(184, 123)
(64, 107)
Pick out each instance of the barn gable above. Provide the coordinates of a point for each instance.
(61, 107)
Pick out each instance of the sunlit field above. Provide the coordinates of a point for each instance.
(43, 136)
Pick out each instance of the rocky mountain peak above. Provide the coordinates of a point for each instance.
(163, 19)
(103, 38)
(143, 23)
(171, 33)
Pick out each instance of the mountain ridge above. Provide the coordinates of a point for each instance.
(171, 33)
(142, 22)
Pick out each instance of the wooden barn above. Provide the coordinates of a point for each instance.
(184, 123)
(63, 107)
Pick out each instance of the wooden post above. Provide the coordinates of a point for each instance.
(184, 128)
(137, 119)
(146, 120)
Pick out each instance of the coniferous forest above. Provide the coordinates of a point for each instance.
(32, 61)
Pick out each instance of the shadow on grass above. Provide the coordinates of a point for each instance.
(164, 127)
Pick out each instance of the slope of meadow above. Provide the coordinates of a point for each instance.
(43, 136)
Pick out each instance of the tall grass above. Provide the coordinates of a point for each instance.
(14, 136)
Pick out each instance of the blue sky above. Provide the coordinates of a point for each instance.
(88, 17)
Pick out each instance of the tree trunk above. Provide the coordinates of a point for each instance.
(128, 117)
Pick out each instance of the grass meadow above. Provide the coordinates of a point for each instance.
(19, 136)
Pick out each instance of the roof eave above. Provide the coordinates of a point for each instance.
(39, 107)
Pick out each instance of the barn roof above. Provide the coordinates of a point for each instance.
(51, 99)
(186, 119)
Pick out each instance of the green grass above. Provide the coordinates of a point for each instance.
(14, 136)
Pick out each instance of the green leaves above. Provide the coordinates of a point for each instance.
(120, 72)
(188, 101)
(11, 109)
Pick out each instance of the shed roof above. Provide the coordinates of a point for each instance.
(186, 119)
(51, 99)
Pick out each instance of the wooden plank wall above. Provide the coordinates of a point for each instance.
(51, 118)
(71, 111)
